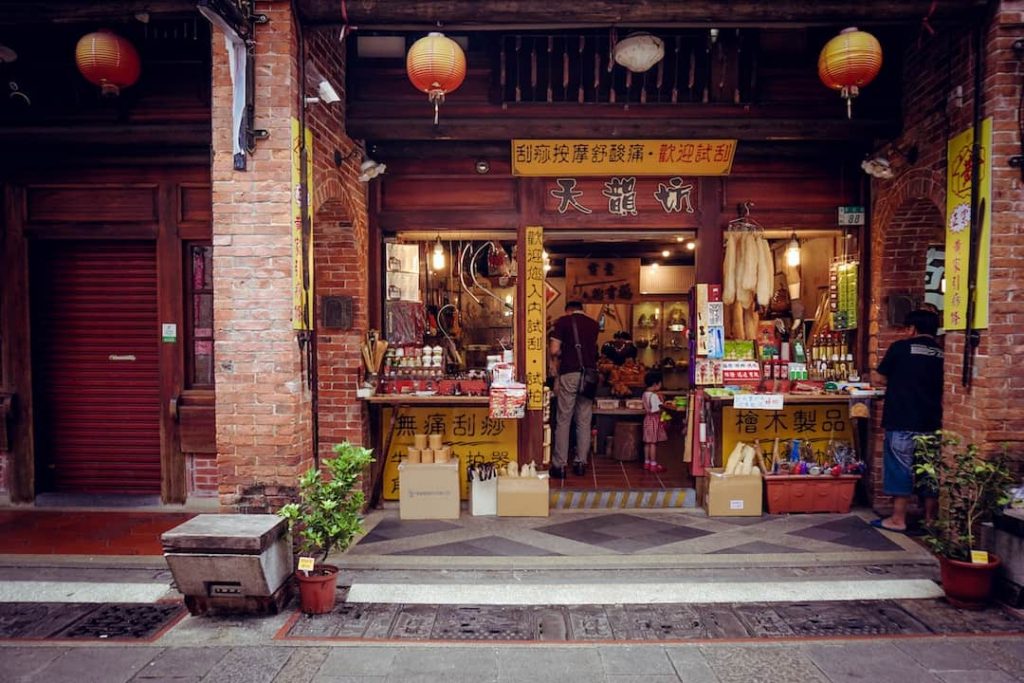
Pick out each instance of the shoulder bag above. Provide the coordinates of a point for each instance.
(589, 377)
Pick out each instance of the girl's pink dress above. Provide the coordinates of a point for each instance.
(654, 428)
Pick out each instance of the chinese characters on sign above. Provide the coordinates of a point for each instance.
(302, 235)
(620, 195)
(555, 158)
(959, 177)
(602, 280)
(475, 438)
(536, 307)
(816, 424)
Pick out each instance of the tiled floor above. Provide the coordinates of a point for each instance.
(631, 533)
(52, 532)
(606, 473)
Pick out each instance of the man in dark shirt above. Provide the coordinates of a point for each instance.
(571, 405)
(913, 407)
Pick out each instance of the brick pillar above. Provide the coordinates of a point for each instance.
(341, 252)
(264, 433)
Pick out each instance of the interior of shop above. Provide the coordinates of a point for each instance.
(450, 320)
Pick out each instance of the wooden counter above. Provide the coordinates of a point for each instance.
(413, 400)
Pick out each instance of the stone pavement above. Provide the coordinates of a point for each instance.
(916, 660)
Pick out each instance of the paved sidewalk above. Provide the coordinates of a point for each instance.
(914, 660)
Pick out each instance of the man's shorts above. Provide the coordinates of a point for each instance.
(898, 465)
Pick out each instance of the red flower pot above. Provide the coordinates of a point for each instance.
(317, 592)
(968, 585)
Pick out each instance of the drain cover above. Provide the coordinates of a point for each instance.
(670, 622)
(85, 621)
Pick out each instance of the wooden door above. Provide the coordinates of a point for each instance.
(96, 366)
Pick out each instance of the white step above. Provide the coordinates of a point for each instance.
(616, 593)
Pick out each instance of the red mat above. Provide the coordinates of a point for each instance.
(51, 532)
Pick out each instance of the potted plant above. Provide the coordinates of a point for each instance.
(972, 488)
(326, 518)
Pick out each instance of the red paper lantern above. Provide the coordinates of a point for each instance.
(107, 60)
(437, 66)
(848, 62)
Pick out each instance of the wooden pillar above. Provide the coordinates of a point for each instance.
(709, 236)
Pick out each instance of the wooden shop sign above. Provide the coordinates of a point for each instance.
(554, 158)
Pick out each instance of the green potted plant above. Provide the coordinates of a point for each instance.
(972, 488)
(326, 518)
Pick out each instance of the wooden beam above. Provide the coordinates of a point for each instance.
(451, 128)
(483, 14)
(21, 12)
(164, 135)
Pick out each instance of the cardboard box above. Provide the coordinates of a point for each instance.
(523, 497)
(428, 490)
(733, 495)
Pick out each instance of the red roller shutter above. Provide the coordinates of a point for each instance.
(96, 370)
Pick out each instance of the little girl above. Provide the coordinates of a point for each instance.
(654, 428)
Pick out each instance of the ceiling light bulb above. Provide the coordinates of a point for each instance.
(437, 260)
(654, 265)
(691, 245)
(665, 253)
(679, 238)
(547, 267)
(544, 254)
(793, 252)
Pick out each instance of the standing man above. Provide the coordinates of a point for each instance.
(572, 356)
(913, 407)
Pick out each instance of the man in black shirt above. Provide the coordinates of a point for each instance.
(571, 405)
(913, 407)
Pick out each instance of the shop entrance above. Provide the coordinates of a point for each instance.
(636, 286)
(95, 366)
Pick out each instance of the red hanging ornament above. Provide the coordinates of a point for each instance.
(436, 65)
(848, 62)
(107, 60)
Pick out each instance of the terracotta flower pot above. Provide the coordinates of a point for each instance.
(317, 592)
(968, 585)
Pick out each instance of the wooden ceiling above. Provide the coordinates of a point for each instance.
(462, 14)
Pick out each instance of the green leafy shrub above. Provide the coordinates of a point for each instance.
(328, 514)
(971, 489)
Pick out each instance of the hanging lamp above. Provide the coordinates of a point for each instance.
(848, 62)
(107, 60)
(436, 65)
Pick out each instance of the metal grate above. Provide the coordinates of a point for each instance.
(670, 622)
(40, 621)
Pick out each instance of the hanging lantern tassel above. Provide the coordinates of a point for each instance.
(848, 62)
(436, 65)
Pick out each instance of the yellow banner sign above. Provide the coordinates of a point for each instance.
(554, 158)
(473, 436)
(815, 423)
(959, 177)
(536, 308)
(302, 240)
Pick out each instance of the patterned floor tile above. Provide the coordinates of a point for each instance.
(623, 533)
(850, 531)
(487, 546)
(391, 529)
(757, 548)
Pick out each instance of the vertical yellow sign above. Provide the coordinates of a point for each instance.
(302, 246)
(535, 318)
(959, 176)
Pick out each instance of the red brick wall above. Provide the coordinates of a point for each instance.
(991, 412)
(264, 432)
(340, 249)
(202, 475)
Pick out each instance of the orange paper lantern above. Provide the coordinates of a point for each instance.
(107, 60)
(848, 62)
(437, 66)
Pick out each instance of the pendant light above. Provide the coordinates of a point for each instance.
(793, 252)
(437, 258)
